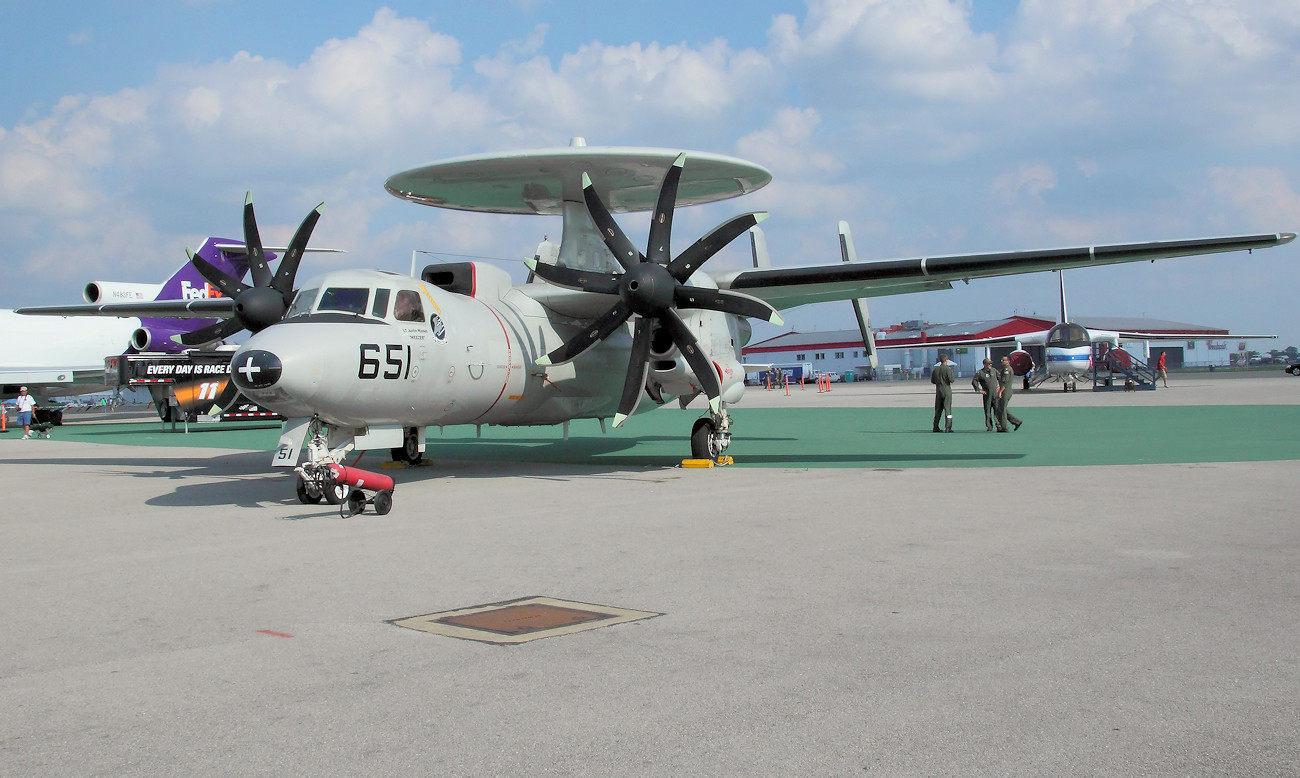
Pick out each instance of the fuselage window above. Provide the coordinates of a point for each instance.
(380, 309)
(408, 307)
(302, 302)
(345, 299)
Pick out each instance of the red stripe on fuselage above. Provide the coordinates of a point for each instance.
(506, 382)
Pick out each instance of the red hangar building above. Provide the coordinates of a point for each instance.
(908, 349)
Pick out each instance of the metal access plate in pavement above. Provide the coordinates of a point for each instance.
(521, 620)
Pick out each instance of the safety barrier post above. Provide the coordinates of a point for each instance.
(787, 386)
(4, 419)
(767, 381)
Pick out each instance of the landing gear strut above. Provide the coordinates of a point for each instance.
(322, 476)
(711, 435)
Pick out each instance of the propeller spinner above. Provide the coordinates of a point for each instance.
(265, 302)
(653, 288)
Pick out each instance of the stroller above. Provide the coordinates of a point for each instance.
(43, 419)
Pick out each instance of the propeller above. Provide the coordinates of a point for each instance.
(653, 288)
(265, 302)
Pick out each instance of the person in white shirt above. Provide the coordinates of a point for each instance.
(25, 405)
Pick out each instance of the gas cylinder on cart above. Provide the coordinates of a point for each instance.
(360, 480)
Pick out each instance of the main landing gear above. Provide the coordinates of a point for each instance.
(409, 452)
(711, 435)
(323, 477)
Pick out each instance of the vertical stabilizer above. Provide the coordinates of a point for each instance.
(159, 334)
(860, 304)
(1064, 318)
(758, 247)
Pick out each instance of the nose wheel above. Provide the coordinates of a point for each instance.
(710, 436)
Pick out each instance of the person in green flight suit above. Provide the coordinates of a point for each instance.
(1006, 379)
(942, 377)
(986, 383)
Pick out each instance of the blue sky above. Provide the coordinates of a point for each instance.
(130, 130)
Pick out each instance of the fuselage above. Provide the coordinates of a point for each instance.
(60, 355)
(366, 348)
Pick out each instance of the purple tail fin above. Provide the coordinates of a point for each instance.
(187, 284)
(155, 334)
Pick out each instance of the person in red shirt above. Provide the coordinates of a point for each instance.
(1161, 371)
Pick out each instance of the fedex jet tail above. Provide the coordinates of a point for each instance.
(157, 334)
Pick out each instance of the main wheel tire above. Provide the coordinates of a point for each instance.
(702, 439)
(409, 451)
(337, 494)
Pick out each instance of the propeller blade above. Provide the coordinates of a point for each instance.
(700, 364)
(638, 365)
(230, 287)
(661, 227)
(288, 268)
(610, 232)
(727, 302)
(598, 330)
(256, 256)
(586, 280)
(704, 248)
(218, 331)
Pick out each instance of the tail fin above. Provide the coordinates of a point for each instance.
(1064, 318)
(187, 284)
(859, 305)
(157, 334)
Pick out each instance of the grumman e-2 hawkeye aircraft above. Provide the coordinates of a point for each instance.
(367, 359)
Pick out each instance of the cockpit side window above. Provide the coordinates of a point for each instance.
(380, 309)
(345, 299)
(302, 302)
(408, 307)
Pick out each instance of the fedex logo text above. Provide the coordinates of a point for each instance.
(205, 292)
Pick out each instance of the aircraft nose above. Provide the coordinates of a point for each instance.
(256, 369)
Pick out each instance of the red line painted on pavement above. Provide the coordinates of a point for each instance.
(274, 634)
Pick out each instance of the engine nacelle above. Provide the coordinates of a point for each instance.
(158, 337)
(1021, 363)
(114, 292)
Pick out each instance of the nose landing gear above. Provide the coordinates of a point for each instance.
(323, 476)
(711, 435)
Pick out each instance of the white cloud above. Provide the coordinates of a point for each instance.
(1026, 181)
(1258, 198)
(921, 48)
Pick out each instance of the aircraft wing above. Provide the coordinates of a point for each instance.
(214, 308)
(788, 287)
(1135, 335)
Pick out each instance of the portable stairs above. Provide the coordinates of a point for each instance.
(1116, 369)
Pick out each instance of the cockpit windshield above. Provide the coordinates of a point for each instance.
(1068, 336)
(302, 302)
(345, 299)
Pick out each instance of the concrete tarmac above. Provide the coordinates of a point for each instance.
(177, 611)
